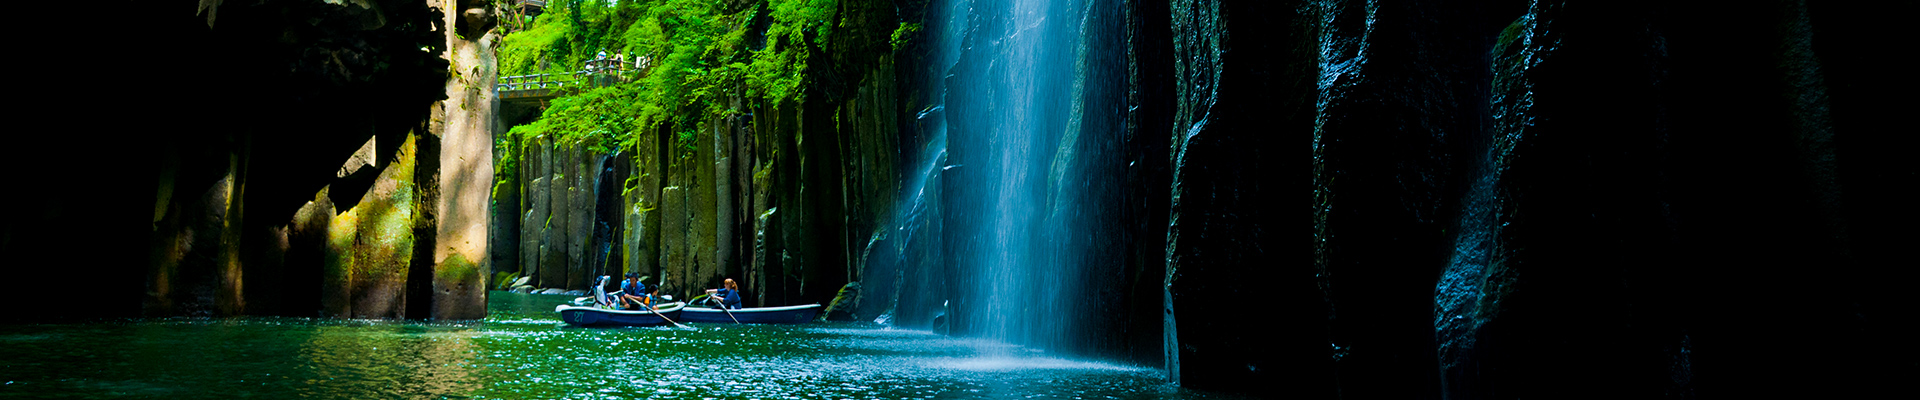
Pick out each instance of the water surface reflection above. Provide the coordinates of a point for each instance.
(523, 352)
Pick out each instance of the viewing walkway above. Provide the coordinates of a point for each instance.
(543, 87)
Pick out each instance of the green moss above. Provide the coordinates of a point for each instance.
(341, 231)
(383, 231)
(336, 265)
(457, 269)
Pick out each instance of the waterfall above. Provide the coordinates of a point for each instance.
(1033, 111)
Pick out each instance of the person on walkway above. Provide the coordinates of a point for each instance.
(728, 296)
(634, 292)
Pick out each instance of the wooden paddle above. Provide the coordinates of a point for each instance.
(719, 305)
(664, 316)
(723, 308)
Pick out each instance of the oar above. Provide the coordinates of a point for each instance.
(719, 305)
(664, 316)
(723, 308)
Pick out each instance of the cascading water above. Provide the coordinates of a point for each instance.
(1032, 111)
(998, 93)
(916, 232)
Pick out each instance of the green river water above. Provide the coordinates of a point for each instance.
(523, 352)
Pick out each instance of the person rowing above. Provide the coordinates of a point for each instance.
(635, 293)
(727, 296)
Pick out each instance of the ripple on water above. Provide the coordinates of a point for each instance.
(526, 356)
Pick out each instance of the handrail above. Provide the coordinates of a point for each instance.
(594, 67)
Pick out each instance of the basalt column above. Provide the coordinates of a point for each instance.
(461, 260)
(553, 250)
(584, 175)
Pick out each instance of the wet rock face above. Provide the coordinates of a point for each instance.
(471, 18)
(609, 217)
(1240, 74)
(584, 174)
(1537, 200)
(533, 228)
(504, 215)
(553, 250)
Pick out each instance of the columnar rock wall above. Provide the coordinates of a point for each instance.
(372, 244)
(461, 259)
(1532, 200)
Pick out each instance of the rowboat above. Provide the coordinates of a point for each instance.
(755, 315)
(596, 316)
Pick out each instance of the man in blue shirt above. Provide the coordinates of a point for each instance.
(634, 293)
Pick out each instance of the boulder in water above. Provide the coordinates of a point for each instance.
(842, 306)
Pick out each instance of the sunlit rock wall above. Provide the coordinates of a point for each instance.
(372, 245)
(460, 257)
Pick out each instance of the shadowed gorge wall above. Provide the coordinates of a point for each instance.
(1594, 193)
(1494, 199)
(262, 103)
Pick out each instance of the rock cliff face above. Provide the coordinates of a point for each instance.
(372, 244)
(461, 256)
(253, 211)
(1508, 199)
(1241, 82)
(692, 205)
(1535, 199)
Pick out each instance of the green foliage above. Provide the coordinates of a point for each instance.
(777, 72)
(704, 60)
(520, 53)
(509, 161)
(566, 36)
(904, 34)
(695, 51)
(600, 118)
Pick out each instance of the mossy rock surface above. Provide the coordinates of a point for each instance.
(370, 245)
(459, 289)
